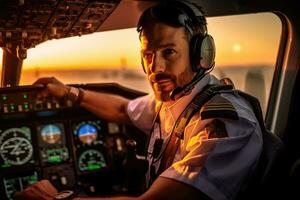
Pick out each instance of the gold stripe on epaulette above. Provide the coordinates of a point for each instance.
(218, 106)
(211, 109)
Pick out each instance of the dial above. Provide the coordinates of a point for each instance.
(91, 160)
(15, 146)
(87, 133)
(51, 134)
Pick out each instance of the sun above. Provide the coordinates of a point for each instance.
(236, 48)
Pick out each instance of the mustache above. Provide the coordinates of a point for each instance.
(155, 77)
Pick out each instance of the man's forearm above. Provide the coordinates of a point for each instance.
(106, 198)
(107, 106)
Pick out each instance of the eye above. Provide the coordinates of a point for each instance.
(169, 52)
(147, 56)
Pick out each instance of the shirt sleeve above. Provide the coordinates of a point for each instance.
(219, 166)
(141, 112)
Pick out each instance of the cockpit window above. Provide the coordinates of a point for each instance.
(247, 47)
(112, 56)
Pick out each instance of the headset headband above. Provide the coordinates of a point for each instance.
(177, 14)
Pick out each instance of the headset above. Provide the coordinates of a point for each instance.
(184, 14)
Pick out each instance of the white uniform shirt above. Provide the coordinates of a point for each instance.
(216, 166)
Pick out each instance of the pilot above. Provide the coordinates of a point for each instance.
(218, 148)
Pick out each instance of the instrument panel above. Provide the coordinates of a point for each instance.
(62, 143)
(18, 183)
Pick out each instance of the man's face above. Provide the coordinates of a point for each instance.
(165, 55)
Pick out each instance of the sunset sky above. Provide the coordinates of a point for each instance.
(240, 40)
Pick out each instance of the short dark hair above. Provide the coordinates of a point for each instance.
(176, 14)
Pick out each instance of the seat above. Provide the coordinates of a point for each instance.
(271, 177)
(295, 179)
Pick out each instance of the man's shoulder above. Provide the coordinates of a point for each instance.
(219, 107)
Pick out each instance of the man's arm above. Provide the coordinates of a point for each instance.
(166, 188)
(106, 106)
(162, 189)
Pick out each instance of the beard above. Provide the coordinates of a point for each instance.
(162, 84)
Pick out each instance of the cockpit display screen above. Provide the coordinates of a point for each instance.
(51, 133)
(88, 138)
(89, 133)
(19, 183)
(52, 143)
(16, 147)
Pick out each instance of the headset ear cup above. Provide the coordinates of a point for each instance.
(195, 52)
(207, 52)
(202, 52)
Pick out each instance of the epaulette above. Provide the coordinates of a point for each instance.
(218, 107)
(194, 106)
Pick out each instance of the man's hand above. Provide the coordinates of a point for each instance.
(42, 190)
(53, 87)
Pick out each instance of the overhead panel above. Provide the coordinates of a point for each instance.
(26, 23)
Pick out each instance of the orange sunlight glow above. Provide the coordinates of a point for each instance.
(257, 35)
(99, 50)
(236, 48)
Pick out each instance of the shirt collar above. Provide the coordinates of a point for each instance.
(177, 107)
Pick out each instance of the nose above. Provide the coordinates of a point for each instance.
(157, 65)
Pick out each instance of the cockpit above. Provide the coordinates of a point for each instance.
(55, 139)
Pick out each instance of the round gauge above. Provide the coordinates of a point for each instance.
(51, 133)
(91, 160)
(15, 149)
(87, 133)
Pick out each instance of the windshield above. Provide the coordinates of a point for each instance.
(247, 47)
